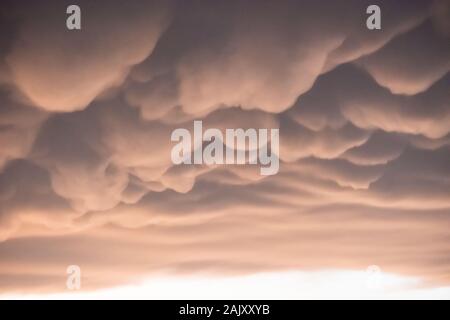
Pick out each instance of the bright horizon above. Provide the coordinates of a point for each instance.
(265, 286)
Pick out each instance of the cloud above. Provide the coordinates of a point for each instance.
(18, 128)
(426, 62)
(256, 57)
(86, 117)
(60, 70)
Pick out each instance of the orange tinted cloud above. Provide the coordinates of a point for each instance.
(85, 123)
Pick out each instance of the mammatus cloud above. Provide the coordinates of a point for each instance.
(86, 118)
(59, 70)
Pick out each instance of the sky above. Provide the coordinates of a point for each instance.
(86, 176)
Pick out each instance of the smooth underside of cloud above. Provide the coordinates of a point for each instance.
(86, 117)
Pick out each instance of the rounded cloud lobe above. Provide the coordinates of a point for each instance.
(86, 118)
(62, 70)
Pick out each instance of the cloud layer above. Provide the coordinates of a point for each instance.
(86, 118)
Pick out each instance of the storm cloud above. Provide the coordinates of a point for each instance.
(86, 117)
